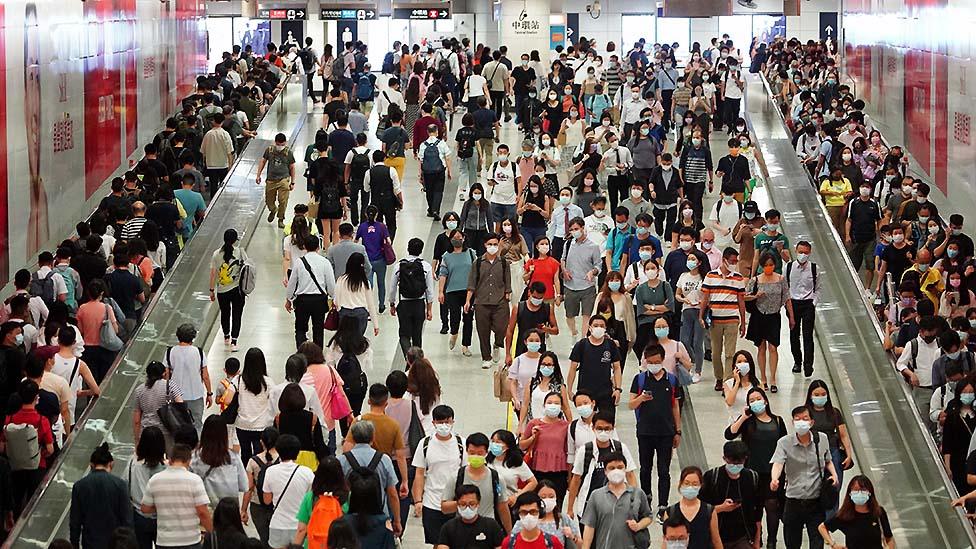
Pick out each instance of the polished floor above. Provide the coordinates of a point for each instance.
(466, 387)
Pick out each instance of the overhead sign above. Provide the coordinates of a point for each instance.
(287, 14)
(361, 14)
(526, 25)
(828, 25)
(422, 13)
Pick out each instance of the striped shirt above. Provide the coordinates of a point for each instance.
(723, 294)
(133, 227)
(175, 493)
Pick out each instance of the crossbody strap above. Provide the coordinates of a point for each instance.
(285, 490)
(311, 274)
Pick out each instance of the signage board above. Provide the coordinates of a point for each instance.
(362, 14)
(283, 14)
(422, 13)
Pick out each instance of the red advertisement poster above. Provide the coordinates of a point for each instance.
(4, 248)
(918, 90)
(103, 98)
(126, 25)
(941, 177)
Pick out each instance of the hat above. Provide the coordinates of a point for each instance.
(750, 207)
(46, 352)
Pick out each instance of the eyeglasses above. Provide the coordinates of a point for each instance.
(533, 512)
(550, 364)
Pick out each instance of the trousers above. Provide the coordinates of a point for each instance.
(491, 319)
(456, 315)
(277, 190)
(724, 336)
(693, 336)
(231, 305)
(412, 313)
(663, 447)
(310, 307)
(804, 314)
(800, 514)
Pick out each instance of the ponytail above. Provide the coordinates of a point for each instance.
(230, 238)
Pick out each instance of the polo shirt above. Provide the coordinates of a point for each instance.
(723, 295)
(176, 493)
(619, 242)
(864, 216)
(801, 464)
(607, 515)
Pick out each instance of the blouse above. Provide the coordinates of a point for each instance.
(549, 452)
(774, 296)
(254, 411)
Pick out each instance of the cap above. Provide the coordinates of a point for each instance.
(46, 352)
(750, 206)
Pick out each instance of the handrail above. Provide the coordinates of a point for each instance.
(916, 415)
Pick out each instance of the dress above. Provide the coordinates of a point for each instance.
(410, 117)
(764, 322)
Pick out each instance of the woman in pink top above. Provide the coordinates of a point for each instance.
(322, 376)
(544, 439)
(89, 318)
(674, 351)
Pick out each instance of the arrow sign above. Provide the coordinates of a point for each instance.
(829, 30)
(569, 32)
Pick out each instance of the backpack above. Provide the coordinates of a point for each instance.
(395, 149)
(352, 374)
(248, 278)
(444, 64)
(308, 60)
(589, 453)
(496, 488)
(546, 538)
(357, 473)
(718, 208)
(326, 509)
(69, 282)
(43, 287)
(465, 145)
(457, 439)
(494, 168)
(23, 446)
(388, 63)
(431, 162)
(259, 483)
(413, 279)
(358, 167)
(364, 90)
(338, 69)
(277, 158)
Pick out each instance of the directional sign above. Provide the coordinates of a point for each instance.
(282, 14)
(828, 25)
(366, 14)
(422, 13)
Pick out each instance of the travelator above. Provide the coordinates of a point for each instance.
(891, 443)
(183, 297)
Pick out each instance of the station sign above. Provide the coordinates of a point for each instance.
(429, 14)
(360, 14)
(283, 14)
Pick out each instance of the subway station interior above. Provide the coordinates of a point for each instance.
(823, 157)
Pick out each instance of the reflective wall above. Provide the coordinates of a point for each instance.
(84, 83)
(909, 60)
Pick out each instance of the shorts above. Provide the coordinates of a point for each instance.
(280, 537)
(863, 252)
(501, 212)
(433, 520)
(579, 301)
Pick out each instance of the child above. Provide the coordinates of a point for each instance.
(226, 390)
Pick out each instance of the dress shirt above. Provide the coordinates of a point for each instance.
(631, 108)
(428, 273)
(714, 255)
(393, 175)
(924, 359)
(560, 218)
(801, 281)
(300, 282)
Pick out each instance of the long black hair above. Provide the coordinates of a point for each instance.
(330, 479)
(254, 371)
(356, 272)
(514, 456)
(154, 372)
(557, 375)
(151, 448)
(348, 338)
(227, 516)
(230, 238)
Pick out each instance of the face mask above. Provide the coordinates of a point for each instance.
(934, 229)
(476, 196)
(589, 182)
(728, 199)
(865, 191)
(467, 513)
(907, 189)
(768, 269)
(605, 123)
(614, 285)
(818, 400)
(801, 426)
(802, 258)
(507, 229)
(666, 167)
(860, 497)
(696, 141)
(577, 234)
(553, 97)
(616, 476)
(533, 347)
(677, 544)
(529, 522)
(279, 147)
(443, 429)
(457, 243)
(690, 492)
(921, 199)
(923, 219)
(19, 339)
(898, 238)
(536, 300)
(757, 406)
(967, 398)
(534, 189)
(923, 267)
(526, 154)
(734, 468)
(691, 264)
(685, 245)
(598, 332)
(749, 215)
(661, 333)
(503, 158)
(564, 200)
(636, 193)
(602, 436)
(954, 355)
(525, 62)
(476, 461)
(645, 255)
(772, 227)
(492, 250)
(496, 448)
(687, 212)
(585, 410)
(549, 504)
(956, 232)
(552, 410)
(642, 230)
(645, 131)
(544, 248)
(599, 213)
(743, 368)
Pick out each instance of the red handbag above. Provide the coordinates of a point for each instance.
(331, 320)
(388, 254)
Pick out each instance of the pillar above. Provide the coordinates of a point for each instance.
(524, 26)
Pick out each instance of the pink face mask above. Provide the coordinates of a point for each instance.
(955, 282)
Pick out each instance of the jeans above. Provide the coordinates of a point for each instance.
(804, 314)
(664, 220)
(145, 529)
(456, 315)
(491, 319)
(797, 515)
(693, 336)
(310, 307)
(531, 235)
(468, 171)
(411, 314)
(502, 211)
(647, 447)
(360, 314)
(837, 458)
(231, 305)
(250, 443)
(724, 336)
(196, 408)
(378, 279)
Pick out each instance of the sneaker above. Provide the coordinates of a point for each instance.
(660, 514)
(466, 351)
(495, 353)
(444, 330)
(696, 377)
(233, 346)
(281, 224)
(486, 365)
(271, 214)
(453, 341)
(437, 217)
(718, 385)
(227, 342)
(807, 371)
(796, 368)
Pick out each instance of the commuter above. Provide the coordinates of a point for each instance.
(688, 292)
(562, 214)
(26, 434)
(734, 171)
(739, 519)
(587, 473)
(654, 300)
(329, 190)
(498, 80)
(220, 468)
(150, 397)
(861, 518)
(149, 459)
(252, 504)
(489, 292)
(829, 420)
(228, 530)
(477, 473)
(701, 517)
(597, 360)
(437, 459)
(505, 181)
(254, 411)
(186, 366)
(580, 267)
(916, 360)
(192, 203)
(805, 478)
(666, 190)
(353, 295)
(696, 168)
(533, 389)
(412, 294)
(836, 191)
(225, 278)
(601, 516)
(179, 500)
(435, 165)
(530, 508)
(469, 529)
(285, 486)
(339, 252)
(861, 231)
(125, 287)
(358, 161)
(217, 151)
(770, 294)
(366, 460)
(306, 294)
(512, 246)
(91, 317)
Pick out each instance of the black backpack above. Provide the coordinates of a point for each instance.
(357, 473)
(259, 483)
(358, 167)
(43, 287)
(352, 374)
(465, 143)
(413, 279)
(308, 60)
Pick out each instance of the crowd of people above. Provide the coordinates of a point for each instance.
(599, 210)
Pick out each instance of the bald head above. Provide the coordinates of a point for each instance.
(138, 208)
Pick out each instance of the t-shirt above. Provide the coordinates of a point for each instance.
(595, 365)
(441, 464)
(341, 141)
(395, 138)
(523, 79)
(386, 434)
(772, 245)
(654, 417)
(898, 259)
(165, 214)
(484, 122)
(509, 477)
(176, 492)
(690, 286)
(537, 543)
(192, 202)
(863, 531)
(503, 191)
(483, 533)
(186, 370)
(288, 502)
(124, 287)
(486, 508)
(543, 270)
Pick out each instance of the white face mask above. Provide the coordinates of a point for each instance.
(443, 429)
(616, 476)
(599, 213)
(544, 248)
(549, 504)
(529, 522)
(636, 193)
(492, 250)
(602, 436)
(598, 331)
(507, 229)
(467, 513)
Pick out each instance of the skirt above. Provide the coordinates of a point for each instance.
(763, 327)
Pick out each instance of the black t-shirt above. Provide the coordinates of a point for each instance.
(523, 79)
(595, 365)
(124, 287)
(165, 215)
(965, 244)
(735, 173)
(332, 106)
(898, 260)
(864, 215)
(483, 533)
(655, 417)
(863, 531)
(111, 203)
(342, 141)
(484, 122)
(156, 166)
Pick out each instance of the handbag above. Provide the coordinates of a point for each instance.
(338, 403)
(332, 319)
(642, 538)
(500, 383)
(415, 431)
(110, 340)
(751, 307)
(174, 414)
(389, 256)
(229, 414)
(828, 492)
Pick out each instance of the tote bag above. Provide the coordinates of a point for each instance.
(110, 339)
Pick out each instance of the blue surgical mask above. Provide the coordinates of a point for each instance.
(690, 492)
(691, 264)
(642, 230)
(819, 400)
(533, 346)
(622, 226)
(953, 355)
(661, 332)
(451, 225)
(614, 285)
(495, 448)
(923, 267)
(645, 255)
(19, 339)
(952, 253)
(757, 406)
(585, 410)
(546, 370)
(734, 468)
(564, 200)
(536, 300)
(860, 497)
(967, 398)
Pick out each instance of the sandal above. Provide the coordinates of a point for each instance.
(773, 389)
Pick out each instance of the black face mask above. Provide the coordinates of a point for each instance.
(928, 338)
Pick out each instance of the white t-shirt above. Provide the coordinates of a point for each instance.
(295, 253)
(59, 285)
(186, 368)
(583, 434)
(510, 477)
(503, 192)
(358, 150)
(690, 286)
(476, 86)
(727, 217)
(522, 370)
(440, 464)
(288, 501)
(64, 368)
(597, 229)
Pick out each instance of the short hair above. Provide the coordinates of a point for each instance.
(396, 382)
(232, 365)
(362, 432)
(654, 350)
(378, 394)
(467, 489)
(186, 333)
(528, 498)
(735, 450)
(729, 252)
(101, 455)
(478, 440)
(606, 416)
(288, 447)
(442, 412)
(346, 229)
(799, 410)
(181, 453)
(612, 456)
(415, 246)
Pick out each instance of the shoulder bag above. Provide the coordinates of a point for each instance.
(642, 538)
(174, 415)
(338, 403)
(828, 492)
(110, 340)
